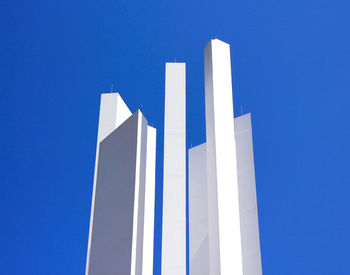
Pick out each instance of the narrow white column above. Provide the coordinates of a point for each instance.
(139, 197)
(113, 112)
(225, 253)
(148, 238)
(174, 183)
(247, 197)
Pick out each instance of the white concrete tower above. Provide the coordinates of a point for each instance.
(174, 181)
(209, 208)
(251, 257)
(198, 203)
(225, 252)
(122, 213)
(113, 112)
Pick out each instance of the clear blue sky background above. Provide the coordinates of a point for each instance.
(291, 70)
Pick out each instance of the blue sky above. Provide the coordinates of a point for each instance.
(290, 69)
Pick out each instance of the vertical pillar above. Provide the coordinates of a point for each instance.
(247, 197)
(148, 240)
(113, 112)
(198, 203)
(118, 224)
(225, 254)
(122, 212)
(198, 210)
(174, 182)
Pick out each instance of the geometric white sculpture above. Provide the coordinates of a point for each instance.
(174, 176)
(247, 197)
(225, 252)
(122, 219)
(223, 217)
(198, 203)
(113, 112)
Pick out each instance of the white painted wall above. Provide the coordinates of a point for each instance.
(247, 197)
(113, 112)
(174, 176)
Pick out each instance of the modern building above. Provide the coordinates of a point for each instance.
(223, 217)
(198, 203)
(122, 212)
(222, 205)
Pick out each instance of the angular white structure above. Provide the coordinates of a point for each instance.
(248, 209)
(223, 217)
(225, 253)
(174, 176)
(198, 203)
(113, 111)
(122, 212)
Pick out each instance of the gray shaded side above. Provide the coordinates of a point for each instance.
(111, 244)
(113, 112)
(247, 197)
(198, 210)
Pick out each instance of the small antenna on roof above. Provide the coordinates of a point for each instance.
(112, 88)
(241, 111)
